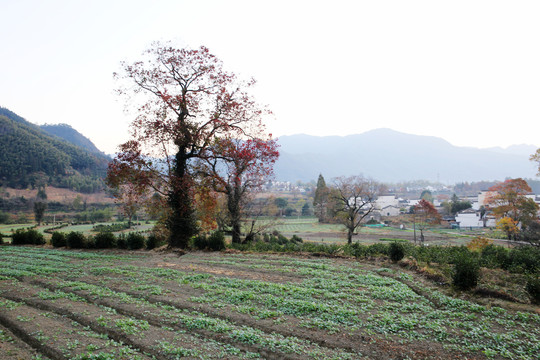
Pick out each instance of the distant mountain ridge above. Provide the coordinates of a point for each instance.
(391, 156)
(66, 132)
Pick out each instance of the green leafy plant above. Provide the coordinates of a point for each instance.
(466, 273)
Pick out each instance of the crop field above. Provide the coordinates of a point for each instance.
(60, 304)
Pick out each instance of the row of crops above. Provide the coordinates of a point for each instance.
(90, 305)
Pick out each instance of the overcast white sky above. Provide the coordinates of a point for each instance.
(466, 71)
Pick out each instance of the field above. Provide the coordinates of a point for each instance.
(310, 229)
(59, 304)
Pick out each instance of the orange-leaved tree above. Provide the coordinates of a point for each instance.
(184, 100)
(508, 200)
(425, 215)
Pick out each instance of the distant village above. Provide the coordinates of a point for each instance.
(392, 205)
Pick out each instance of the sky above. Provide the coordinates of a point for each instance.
(466, 71)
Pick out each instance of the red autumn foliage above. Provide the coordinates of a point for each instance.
(184, 102)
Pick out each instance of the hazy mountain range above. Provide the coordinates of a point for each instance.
(391, 156)
(383, 154)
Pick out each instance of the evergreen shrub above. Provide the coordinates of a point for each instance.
(396, 251)
(75, 240)
(104, 240)
(28, 237)
(466, 272)
(135, 241)
(533, 289)
(58, 239)
(216, 241)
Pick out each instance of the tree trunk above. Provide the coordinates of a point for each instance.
(233, 204)
(182, 222)
(349, 236)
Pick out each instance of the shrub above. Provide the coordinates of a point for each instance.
(75, 240)
(396, 251)
(58, 239)
(377, 249)
(523, 259)
(533, 289)
(153, 241)
(296, 239)
(34, 237)
(104, 240)
(493, 256)
(135, 241)
(29, 237)
(479, 243)
(199, 242)
(216, 241)
(121, 241)
(466, 272)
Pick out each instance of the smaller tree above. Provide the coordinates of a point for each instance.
(40, 205)
(281, 203)
(424, 216)
(320, 199)
(238, 168)
(531, 233)
(509, 226)
(511, 206)
(355, 199)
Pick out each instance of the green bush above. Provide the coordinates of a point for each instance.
(58, 239)
(396, 251)
(104, 240)
(28, 237)
(533, 289)
(466, 272)
(75, 240)
(216, 241)
(135, 241)
(523, 259)
(296, 239)
(199, 242)
(121, 241)
(153, 241)
(493, 256)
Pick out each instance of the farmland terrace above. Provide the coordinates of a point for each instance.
(59, 304)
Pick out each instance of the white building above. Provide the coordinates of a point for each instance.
(471, 218)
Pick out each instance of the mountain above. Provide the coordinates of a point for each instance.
(66, 132)
(391, 156)
(29, 155)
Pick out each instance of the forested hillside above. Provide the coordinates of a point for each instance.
(66, 132)
(29, 156)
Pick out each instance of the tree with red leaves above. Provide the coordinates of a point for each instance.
(425, 215)
(237, 168)
(185, 100)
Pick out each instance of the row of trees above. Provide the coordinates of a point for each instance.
(198, 140)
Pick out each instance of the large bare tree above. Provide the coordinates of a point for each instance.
(355, 198)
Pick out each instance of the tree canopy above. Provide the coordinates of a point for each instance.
(185, 102)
